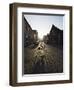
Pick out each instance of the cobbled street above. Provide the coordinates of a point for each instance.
(43, 58)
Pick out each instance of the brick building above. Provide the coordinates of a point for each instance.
(55, 37)
(30, 36)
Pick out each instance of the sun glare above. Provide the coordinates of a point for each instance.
(42, 32)
(40, 35)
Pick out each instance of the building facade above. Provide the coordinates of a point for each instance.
(30, 36)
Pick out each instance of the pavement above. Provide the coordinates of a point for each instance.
(43, 59)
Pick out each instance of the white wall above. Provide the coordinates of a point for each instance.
(4, 46)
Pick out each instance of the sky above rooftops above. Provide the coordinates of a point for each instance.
(43, 23)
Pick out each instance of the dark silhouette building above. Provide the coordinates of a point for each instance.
(30, 36)
(55, 37)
